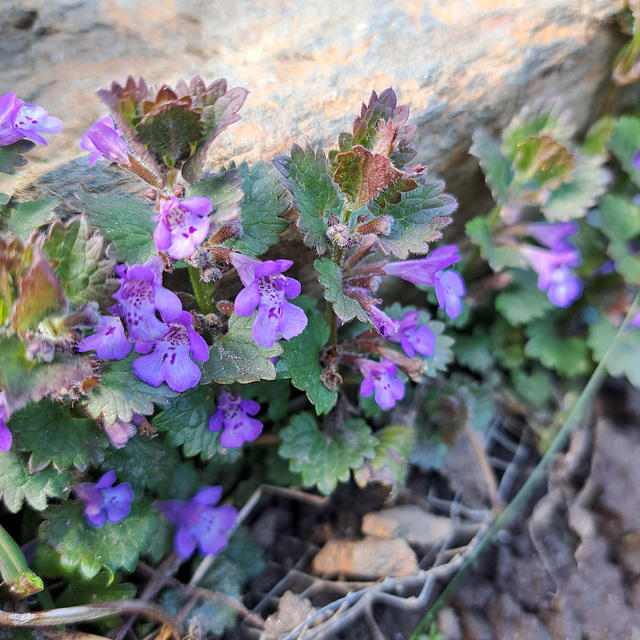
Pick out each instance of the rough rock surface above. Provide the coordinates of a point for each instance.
(308, 65)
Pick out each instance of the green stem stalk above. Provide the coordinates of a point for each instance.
(17, 576)
(200, 291)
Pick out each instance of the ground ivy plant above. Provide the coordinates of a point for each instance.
(146, 340)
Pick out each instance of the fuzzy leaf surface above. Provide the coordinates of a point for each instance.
(496, 167)
(330, 277)
(235, 357)
(417, 220)
(121, 393)
(567, 355)
(326, 459)
(225, 192)
(77, 256)
(624, 142)
(306, 176)
(53, 435)
(299, 362)
(11, 156)
(89, 549)
(261, 209)
(389, 467)
(18, 484)
(103, 587)
(125, 222)
(624, 356)
(521, 301)
(621, 224)
(28, 216)
(498, 257)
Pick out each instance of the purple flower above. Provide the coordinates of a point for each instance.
(5, 435)
(380, 377)
(268, 290)
(170, 360)
(553, 235)
(182, 225)
(19, 120)
(140, 296)
(635, 322)
(103, 501)
(109, 342)
(199, 523)
(385, 325)
(413, 338)
(636, 160)
(555, 277)
(234, 415)
(104, 140)
(429, 272)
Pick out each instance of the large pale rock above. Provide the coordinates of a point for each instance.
(308, 65)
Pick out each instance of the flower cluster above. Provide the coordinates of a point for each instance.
(554, 265)
(199, 523)
(433, 271)
(102, 501)
(19, 120)
(103, 140)
(5, 435)
(234, 417)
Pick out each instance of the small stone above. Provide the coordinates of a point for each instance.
(449, 624)
(409, 522)
(366, 559)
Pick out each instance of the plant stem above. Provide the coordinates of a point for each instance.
(200, 291)
(538, 475)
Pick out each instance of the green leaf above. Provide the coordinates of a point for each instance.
(624, 357)
(11, 156)
(389, 467)
(143, 463)
(521, 301)
(126, 222)
(621, 223)
(235, 357)
(473, 351)
(299, 361)
(498, 257)
(186, 423)
(52, 434)
(121, 393)
(261, 208)
(507, 343)
(624, 143)
(597, 138)
(324, 459)
(535, 386)
(28, 216)
(567, 355)
(330, 277)
(574, 197)
(418, 219)
(103, 587)
(18, 484)
(225, 192)
(273, 394)
(77, 256)
(315, 196)
(497, 169)
(89, 549)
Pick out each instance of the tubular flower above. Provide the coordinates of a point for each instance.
(109, 341)
(19, 120)
(380, 378)
(171, 357)
(182, 226)
(199, 523)
(233, 415)
(139, 297)
(103, 501)
(5, 435)
(103, 140)
(413, 338)
(430, 271)
(268, 290)
(385, 325)
(553, 235)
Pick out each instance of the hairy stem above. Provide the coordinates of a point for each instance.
(200, 291)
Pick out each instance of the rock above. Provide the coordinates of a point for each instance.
(366, 559)
(449, 624)
(291, 612)
(309, 66)
(413, 524)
